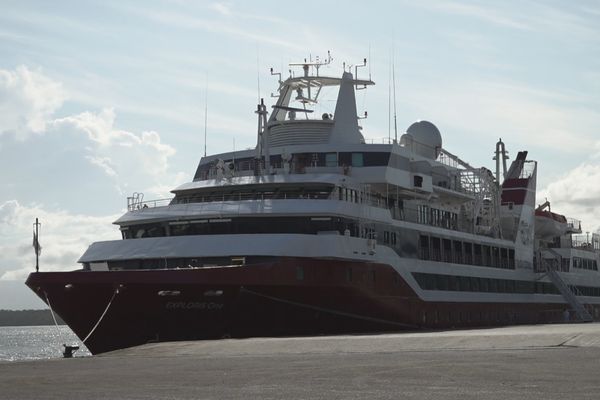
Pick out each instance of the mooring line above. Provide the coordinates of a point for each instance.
(102, 316)
(51, 312)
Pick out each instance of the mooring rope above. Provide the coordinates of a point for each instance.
(52, 312)
(102, 316)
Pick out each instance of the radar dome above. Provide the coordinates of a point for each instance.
(426, 138)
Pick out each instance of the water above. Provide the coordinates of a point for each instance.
(20, 343)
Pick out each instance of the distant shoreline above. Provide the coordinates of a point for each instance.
(28, 318)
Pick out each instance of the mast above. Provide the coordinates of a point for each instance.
(394, 80)
(262, 148)
(500, 154)
(36, 244)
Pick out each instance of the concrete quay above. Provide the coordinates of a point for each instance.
(522, 362)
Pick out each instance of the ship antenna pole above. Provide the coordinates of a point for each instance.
(36, 245)
(205, 112)
(394, 80)
(390, 102)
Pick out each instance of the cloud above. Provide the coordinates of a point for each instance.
(130, 161)
(64, 236)
(577, 193)
(27, 99)
(135, 162)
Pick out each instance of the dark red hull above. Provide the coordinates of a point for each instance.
(285, 298)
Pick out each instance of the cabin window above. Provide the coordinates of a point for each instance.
(486, 256)
(493, 285)
(477, 258)
(357, 159)
(465, 284)
(394, 240)
(458, 252)
(441, 282)
(435, 249)
(424, 247)
(468, 254)
(510, 286)
(501, 285)
(418, 181)
(495, 254)
(503, 258)
(454, 283)
(331, 160)
(447, 250)
(484, 285)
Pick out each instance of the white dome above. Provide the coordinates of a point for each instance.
(427, 139)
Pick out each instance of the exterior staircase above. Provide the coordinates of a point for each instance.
(569, 292)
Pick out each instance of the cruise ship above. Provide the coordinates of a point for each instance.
(318, 230)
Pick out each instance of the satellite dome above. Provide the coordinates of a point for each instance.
(427, 140)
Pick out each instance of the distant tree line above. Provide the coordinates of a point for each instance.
(27, 318)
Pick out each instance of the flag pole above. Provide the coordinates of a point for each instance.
(37, 244)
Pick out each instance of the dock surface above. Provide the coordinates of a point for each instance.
(523, 362)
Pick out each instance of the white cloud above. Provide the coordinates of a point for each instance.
(136, 162)
(63, 236)
(27, 99)
(133, 162)
(577, 193)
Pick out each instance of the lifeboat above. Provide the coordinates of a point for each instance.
(549, 225)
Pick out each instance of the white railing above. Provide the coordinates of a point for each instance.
(133, 205)
(383, 140)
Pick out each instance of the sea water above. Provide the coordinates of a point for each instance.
(19, 343)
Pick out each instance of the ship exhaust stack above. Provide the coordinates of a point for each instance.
(517, 206)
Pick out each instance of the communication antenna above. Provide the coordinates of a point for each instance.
(257, 73)
(394, 81)
(390, 100)
(205, 112)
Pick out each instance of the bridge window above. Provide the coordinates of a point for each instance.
(357, 160)
(331, 160)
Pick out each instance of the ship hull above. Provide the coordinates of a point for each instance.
(286, 297)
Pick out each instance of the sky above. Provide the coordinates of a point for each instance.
(100, 99)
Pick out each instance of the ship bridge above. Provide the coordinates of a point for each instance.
(294, 119)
